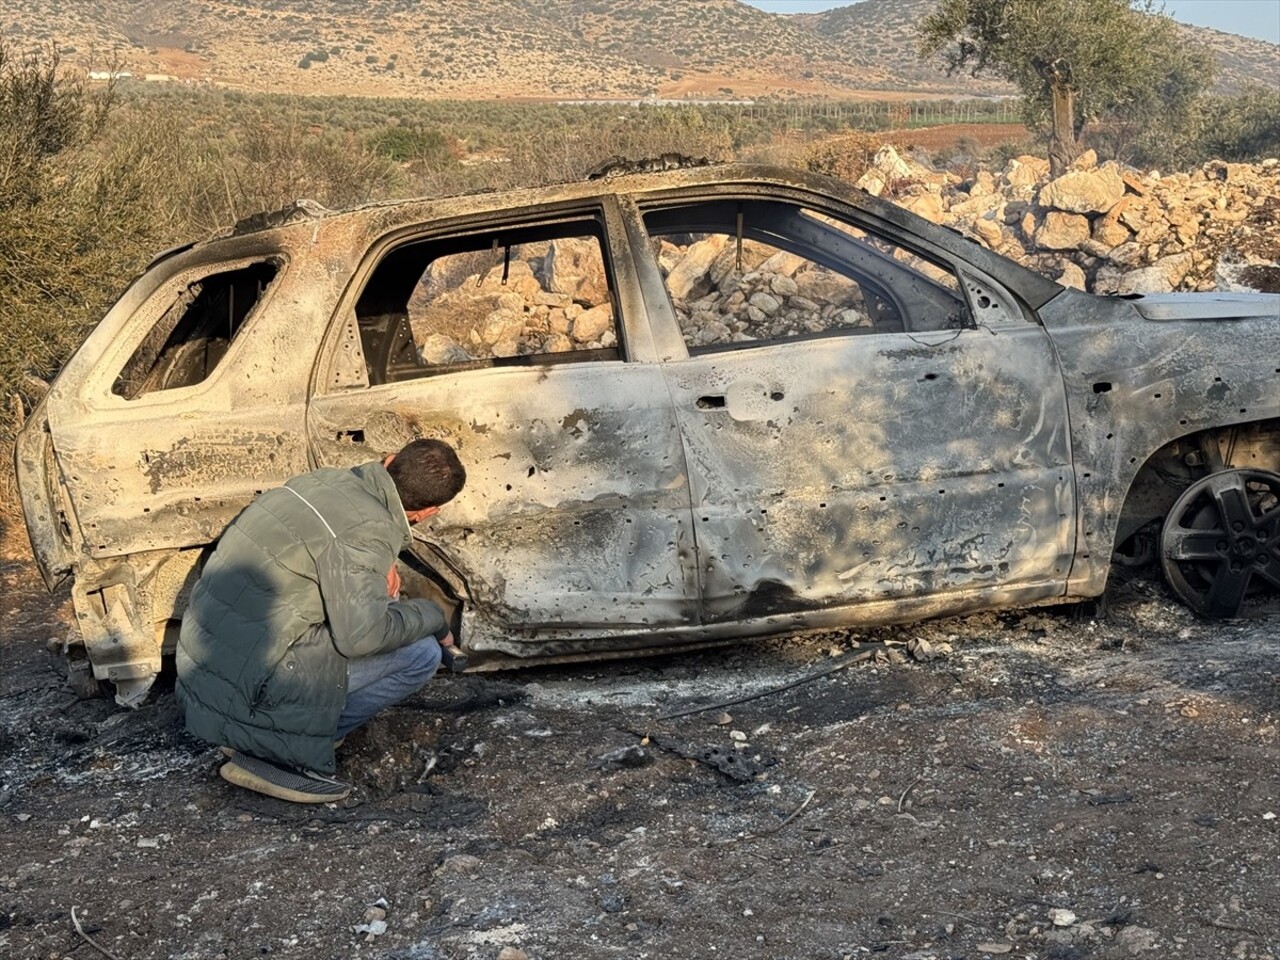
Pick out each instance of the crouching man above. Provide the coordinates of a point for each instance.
(295, 634)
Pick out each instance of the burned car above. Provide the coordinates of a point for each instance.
(694, 404)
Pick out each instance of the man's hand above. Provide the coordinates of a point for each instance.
(393, 583)
(447, 639)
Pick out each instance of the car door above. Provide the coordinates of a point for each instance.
(519, 339)
(851, 435)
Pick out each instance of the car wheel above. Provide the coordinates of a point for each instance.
(1221, 541)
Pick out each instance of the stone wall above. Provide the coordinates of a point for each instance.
(1099, 228)
(1104, 228)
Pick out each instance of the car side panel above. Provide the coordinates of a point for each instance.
(171, 468)
(148, 477)
(575, 514)
(861, 468)
(1134, 385)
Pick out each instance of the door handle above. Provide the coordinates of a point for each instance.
(349, 436)
(716, 402)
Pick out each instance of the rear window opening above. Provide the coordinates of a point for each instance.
(194, 334)
(523, 295)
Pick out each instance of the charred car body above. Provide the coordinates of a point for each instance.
(693, 404)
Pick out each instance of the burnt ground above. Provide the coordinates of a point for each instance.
(1123, 769)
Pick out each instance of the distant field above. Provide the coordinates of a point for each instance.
(985, 135)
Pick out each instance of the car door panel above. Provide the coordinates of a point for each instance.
(575, 522)
(575, 516)
(854, 469)
(860, 464)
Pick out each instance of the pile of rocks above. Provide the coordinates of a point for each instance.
(553, 298)
(1100, 228)
(1104, 228)
(549, 297)
(725, 295)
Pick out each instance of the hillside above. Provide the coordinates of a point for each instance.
(525, 48)
(1241, 60)
(881, 33)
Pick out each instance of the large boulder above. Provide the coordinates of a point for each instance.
(519, 279)
(1025, 171)
(1128, 254)
(501, 325)
(873, 182)
(889, 162)
(1072, 275)
(691, 272)
(889, 167)
(973, 207)
(783, 286)
(1084, 191)
(927, 205)
(1147, 280)
(727, 262)
(592, 324)
(989, 232)
(767, 303)
(1163, 276)
(1062, 231)
(783, 263)
(439, 349)
(984, 184)
(825, 287)
(1109, 230)
(573, 267)
(1086, 161)
(557, 343)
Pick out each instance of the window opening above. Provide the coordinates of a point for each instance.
(745, 272)
(194, 334)
(529, 295)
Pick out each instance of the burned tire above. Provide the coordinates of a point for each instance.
(73, 661)
(1220, 545)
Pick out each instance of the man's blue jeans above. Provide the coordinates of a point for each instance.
(377, 682)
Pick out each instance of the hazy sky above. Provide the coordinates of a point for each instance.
(1251, 18)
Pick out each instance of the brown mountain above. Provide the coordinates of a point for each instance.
(523, 48)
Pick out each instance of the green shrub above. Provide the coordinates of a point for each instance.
(75, 222)
(85, 205)
(1243, 127)
(403, 144)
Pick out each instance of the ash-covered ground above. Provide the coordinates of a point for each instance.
(1051, 785)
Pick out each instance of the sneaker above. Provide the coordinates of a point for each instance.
(284, 783)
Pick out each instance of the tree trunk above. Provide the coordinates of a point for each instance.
(1063, 147)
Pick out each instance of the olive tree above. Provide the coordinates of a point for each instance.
(1074, 61)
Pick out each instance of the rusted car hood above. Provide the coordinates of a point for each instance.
(1207, 306)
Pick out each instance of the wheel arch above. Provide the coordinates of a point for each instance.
(1180, 462)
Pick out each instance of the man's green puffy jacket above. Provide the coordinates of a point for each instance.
(296, 587)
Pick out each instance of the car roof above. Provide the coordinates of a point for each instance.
(653, 178)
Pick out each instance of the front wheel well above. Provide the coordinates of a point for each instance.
(1170, 470)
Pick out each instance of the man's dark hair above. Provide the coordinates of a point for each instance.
(426, 473)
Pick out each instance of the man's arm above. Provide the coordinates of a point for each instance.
(363, 619)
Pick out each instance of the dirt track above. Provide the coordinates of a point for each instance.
(1124, 770)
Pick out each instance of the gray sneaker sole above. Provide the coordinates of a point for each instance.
(280, 782)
